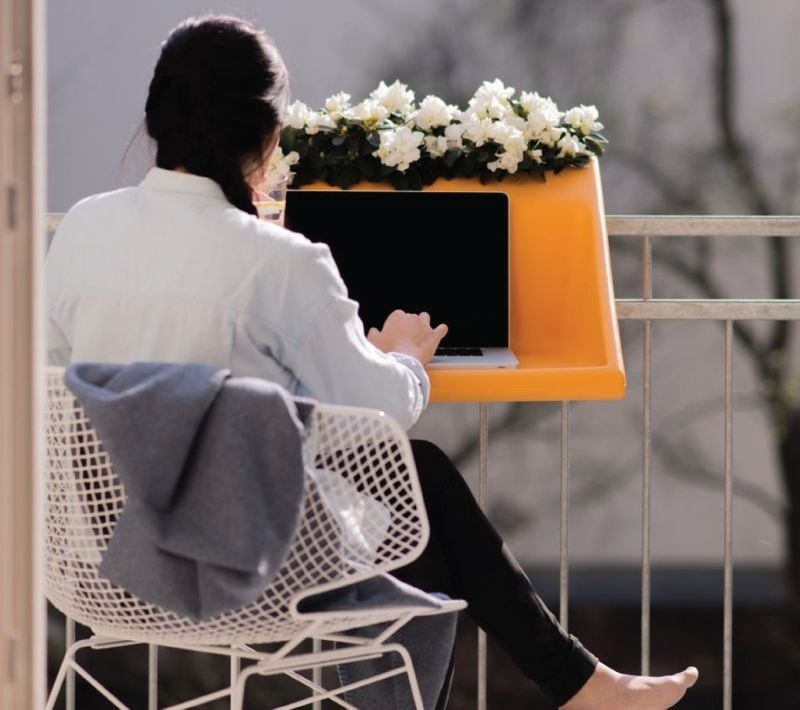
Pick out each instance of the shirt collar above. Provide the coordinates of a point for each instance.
(174, 181)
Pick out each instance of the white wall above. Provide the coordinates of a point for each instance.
(101, 57)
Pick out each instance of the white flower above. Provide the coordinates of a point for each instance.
(280, 165)
(490, 90)
(297, 115)
(399, 148)
(509, 137)
(317, 120)
(508, 161)
(433, 112)
(491, 100)
(570, 146)
(550, 136)
(583, 119)
(542, 107)
(396, 98)
(490, 108)
(535, 155)
(542, 118)
(517, 122)
(454, 133)
(335, 105)
(368, 112)
(436, 146)
(478, 130)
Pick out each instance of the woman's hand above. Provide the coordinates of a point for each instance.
(408, 333)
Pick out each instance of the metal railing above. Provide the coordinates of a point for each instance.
(646, 310)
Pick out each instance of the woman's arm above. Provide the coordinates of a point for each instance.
(321, 338)
(337, 364)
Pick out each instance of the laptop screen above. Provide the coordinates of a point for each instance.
(441, 252)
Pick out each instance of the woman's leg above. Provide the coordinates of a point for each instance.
(466, 558)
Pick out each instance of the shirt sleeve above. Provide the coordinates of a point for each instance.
(327, 350)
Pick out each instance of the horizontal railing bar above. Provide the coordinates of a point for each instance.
(708, 309)
(665, 226)
(702, 226)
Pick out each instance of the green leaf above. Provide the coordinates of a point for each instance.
(467, 166)
(348, 176)
(414, 179)
(316, 163)
(451, 156)
(354, 143)
(596, 148)
(368, 167)
(399, 180)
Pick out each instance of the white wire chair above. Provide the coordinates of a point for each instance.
(366, 457)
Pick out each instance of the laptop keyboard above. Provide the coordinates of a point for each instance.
(473, 352)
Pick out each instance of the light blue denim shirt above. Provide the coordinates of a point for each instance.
(170, 271)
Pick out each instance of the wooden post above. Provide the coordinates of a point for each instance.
(22, 171)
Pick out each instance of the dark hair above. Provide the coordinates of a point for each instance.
(218, 94)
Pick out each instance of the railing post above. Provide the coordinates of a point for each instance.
(69, 633)
(727, 612)
(563, 586)
(483, 476)
(647, 442)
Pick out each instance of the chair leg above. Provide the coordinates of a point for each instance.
(152, 677)
(236, 667)
(410, 673)
(237, 691)
(65, 666)
(407, 669)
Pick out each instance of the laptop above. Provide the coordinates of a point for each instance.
(446, 253)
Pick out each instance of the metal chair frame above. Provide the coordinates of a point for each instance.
(371, 458)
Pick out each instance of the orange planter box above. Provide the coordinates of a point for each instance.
(563, 319)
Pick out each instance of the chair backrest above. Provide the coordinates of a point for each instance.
(358, 456)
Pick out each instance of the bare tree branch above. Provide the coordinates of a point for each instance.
(518, 416)
(725, 107)
(682, 198)
(685, 461)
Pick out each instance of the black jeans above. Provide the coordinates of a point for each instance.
(467, 559)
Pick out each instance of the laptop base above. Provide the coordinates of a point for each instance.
(492, 358)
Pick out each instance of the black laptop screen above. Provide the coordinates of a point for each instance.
(441, 252)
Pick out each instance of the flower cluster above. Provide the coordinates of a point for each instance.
(389, 137)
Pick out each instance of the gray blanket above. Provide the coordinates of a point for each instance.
(213, 471)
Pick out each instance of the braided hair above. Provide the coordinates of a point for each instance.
(216, 99)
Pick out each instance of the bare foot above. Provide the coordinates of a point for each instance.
(608, 690)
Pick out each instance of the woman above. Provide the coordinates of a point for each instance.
(180, 269)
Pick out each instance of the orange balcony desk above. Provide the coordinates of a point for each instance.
(563, 318)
